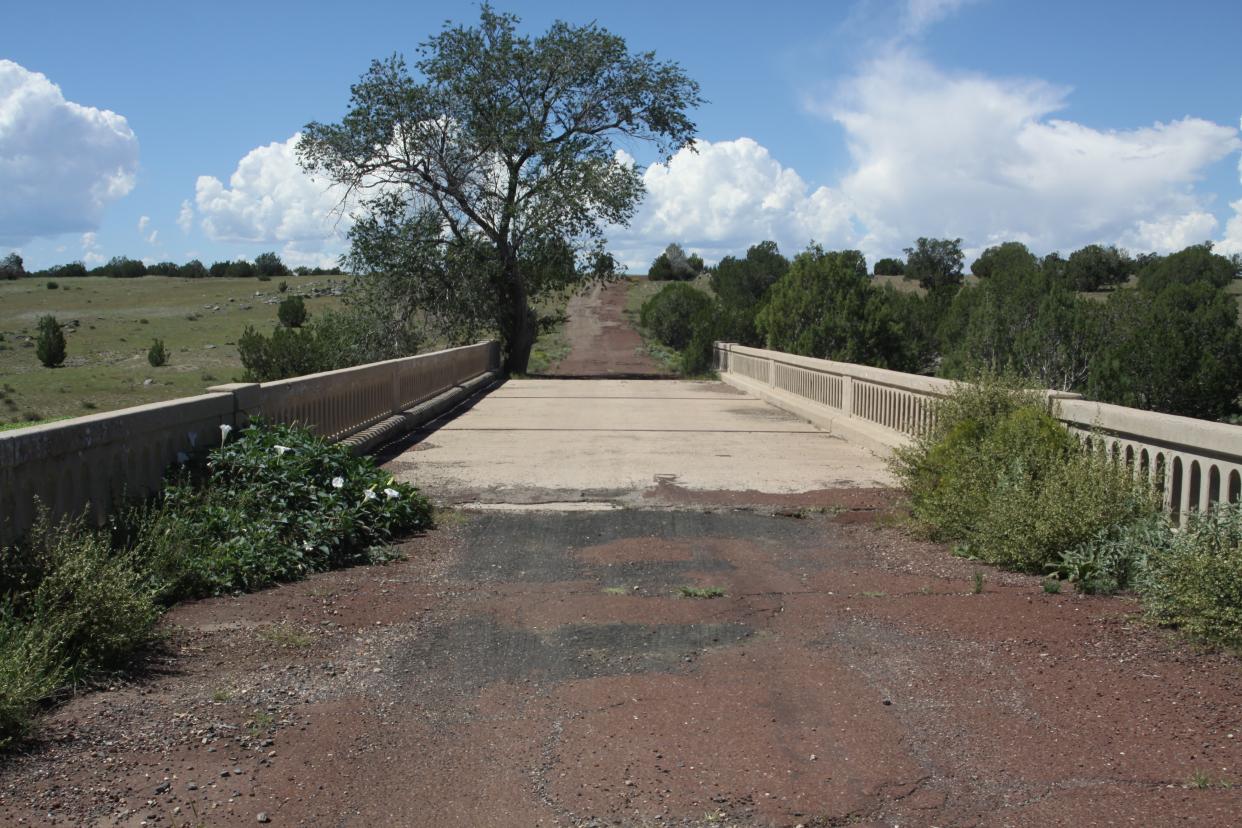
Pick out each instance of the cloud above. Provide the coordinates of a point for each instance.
(61, 163)
(1232, 242)
(939, 154)
(143, 221)
(1171, 233)
(90, 249)
(725, 197)
(270, 200)
(185, 218)
(918, 15)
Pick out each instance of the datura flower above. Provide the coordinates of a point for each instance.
(338, 482)
(391, 493)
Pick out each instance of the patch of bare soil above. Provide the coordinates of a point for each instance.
(601, 340)
(544, 669)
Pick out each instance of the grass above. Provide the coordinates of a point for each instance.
(116, 320)
(286, 636)
(551, 346)
(701, 592)
(977, 583)
(616, 590)
(874, 594)
(1052, 586)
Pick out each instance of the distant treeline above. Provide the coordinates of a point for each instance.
(265, 266)
(1149, 331)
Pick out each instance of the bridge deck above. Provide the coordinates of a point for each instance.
(560, 440)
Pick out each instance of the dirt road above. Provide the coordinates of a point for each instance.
(545, 669)
(602, 342)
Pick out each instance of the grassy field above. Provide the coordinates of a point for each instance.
(110, 323)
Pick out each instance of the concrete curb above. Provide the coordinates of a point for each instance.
(876, 439)
(398, 425)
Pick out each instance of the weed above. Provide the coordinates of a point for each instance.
(977, 585)
(701, 592)
(1052, 586)
(615, 590)
(287, 636)
(874, 594)
(220, 695)
(88, 405)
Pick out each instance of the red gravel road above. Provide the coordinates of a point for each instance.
(543, 669)
(601, 340)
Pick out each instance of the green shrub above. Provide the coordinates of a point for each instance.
(28, 674)
(157, 354)
(981, 430)
(52, 285)
(282, 286)
(1001, 474)
(276, 504)
(669, 314)
(292, 312)
(50, 342)
(288, 352)
(1031, 520)
(1194, 581)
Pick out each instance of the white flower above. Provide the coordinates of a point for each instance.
(182, 457)
(391, 493)
(281, 449)
(225, 428)
(338, 482)
(369, 494)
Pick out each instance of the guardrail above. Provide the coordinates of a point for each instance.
(1195, 463)
(95, 461)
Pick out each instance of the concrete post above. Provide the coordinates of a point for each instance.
(847, 395)
(247, 400)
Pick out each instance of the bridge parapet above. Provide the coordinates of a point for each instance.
(1195, 463)
(96, 461)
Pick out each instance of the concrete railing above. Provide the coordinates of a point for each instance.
(96, 461)
(1195, 463)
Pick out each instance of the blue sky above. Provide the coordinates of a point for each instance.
(163, 131)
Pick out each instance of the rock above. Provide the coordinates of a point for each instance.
(148, 381)
(190, 786)
(263, 817)
(162, 788)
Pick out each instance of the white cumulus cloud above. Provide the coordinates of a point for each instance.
(61, 163)
(185, 218)
(939, 154)
(725, 197)
(269, 199)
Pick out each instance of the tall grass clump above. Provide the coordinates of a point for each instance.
(1003, 476)
(71, 607)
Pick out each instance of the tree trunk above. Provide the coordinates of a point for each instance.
(521, 327)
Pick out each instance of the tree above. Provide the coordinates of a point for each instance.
(122, 267)
(670, 314)
(1196, 263)
(291, 312)
(1095, 267)
(192, 269)
(890, 267)
(240, 269)
(12, 267)
(935, 263)
(157, 354)
(269, 265)
(743, 281)
(826, 306)
(1178, 350)
(1010, 256)
(504, 142)
(50, 342)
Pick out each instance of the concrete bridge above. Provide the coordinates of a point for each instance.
(658, 603)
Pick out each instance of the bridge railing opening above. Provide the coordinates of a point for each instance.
(1195, 463)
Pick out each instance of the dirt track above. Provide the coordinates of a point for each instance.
(524, 669)
(602, 342)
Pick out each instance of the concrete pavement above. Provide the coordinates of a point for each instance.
(550, 441)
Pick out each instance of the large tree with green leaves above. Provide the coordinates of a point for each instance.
(502, 144)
